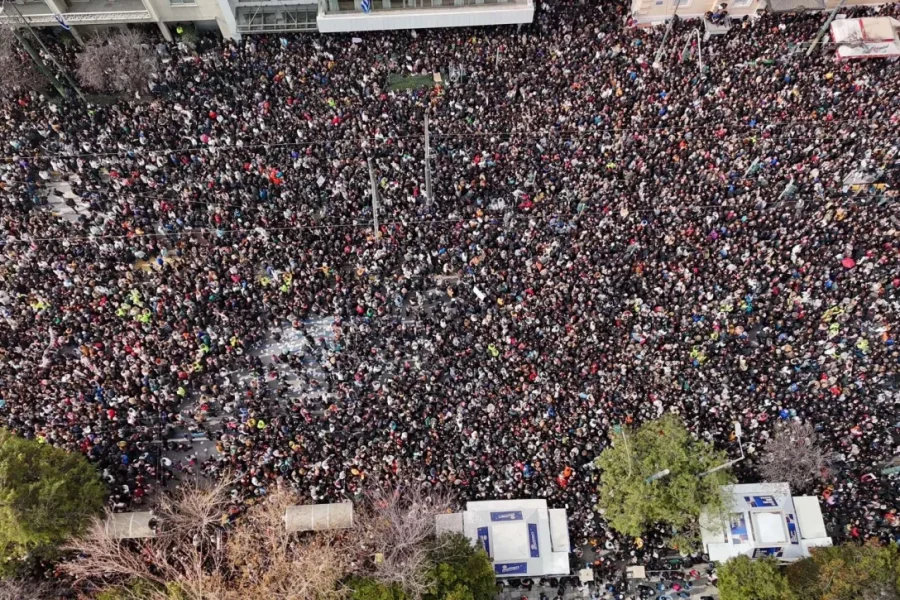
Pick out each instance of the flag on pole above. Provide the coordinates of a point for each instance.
(62, 23)
(366, 5)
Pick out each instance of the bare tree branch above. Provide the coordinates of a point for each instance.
(793, 455)
(14, 589)
(393, 529)
(118, 62)
(183, 550)
(253, 559)
(267, 562)
(19, 73)
(103, 561)
(881, 591)
(193, 510)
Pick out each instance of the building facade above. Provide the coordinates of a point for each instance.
(236, 17)
(347, 15)
(82, 17)
(657, 11)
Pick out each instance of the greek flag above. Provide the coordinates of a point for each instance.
(62, 23)
(366, 5)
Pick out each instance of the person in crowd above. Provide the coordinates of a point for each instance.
(606, 240)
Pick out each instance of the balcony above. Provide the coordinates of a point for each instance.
(337, 6)
(260, 16)
(80, 12)
(347, 15)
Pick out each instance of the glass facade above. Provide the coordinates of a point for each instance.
(343, 6)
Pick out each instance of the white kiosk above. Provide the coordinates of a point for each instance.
(763, 519)
(524, 538)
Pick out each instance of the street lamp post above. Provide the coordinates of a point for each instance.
(699, 47)
(619, 429)
(737, 433)
(725, 465)
(64, 72)
(657, 475)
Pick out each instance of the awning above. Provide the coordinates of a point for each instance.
(783, 6)
(130, 525)
(318, 517)
(809, 517)
(869, 37)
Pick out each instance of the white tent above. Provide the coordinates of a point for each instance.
(870, 37)
(130, 525)
(763, 519)
(318, 517)
(522, 537)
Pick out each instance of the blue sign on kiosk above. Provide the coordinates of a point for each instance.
(518, 568)
(510, 515)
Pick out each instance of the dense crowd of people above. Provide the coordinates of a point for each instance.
(606, 241)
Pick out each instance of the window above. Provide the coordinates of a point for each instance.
(183, 2)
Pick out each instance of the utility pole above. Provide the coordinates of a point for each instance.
(64, 72)
(37, 62)
(662, 46)
(374, 198)
(628, 452)
(737, 434)
(656, 64)
(657, 475)
(824, 27)
(618, 429)
(699, 48)
(159, 447)
(427, 161)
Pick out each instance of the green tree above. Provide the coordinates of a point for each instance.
(848, 572)
(460, 571)
(140, 589)
(803, 577)
(46, 496)
(635, 495)
(742, 578)
(366, 588)
(116, 593)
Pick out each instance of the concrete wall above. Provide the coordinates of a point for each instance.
(740, 8)
(647, 11)
(202, 10)
(85, 17)
(833, 3)
(474, 16)
(652, 11)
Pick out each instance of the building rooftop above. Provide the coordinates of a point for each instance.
(763, 519)
(522, 537)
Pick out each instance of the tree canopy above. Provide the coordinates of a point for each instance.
(460, 571)
(19, 72)
(794, 455)
(46, 495)
(848, 572)
(743, 578)
(199, 553)
(366, 588)
(122, 62)
(632, 503)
